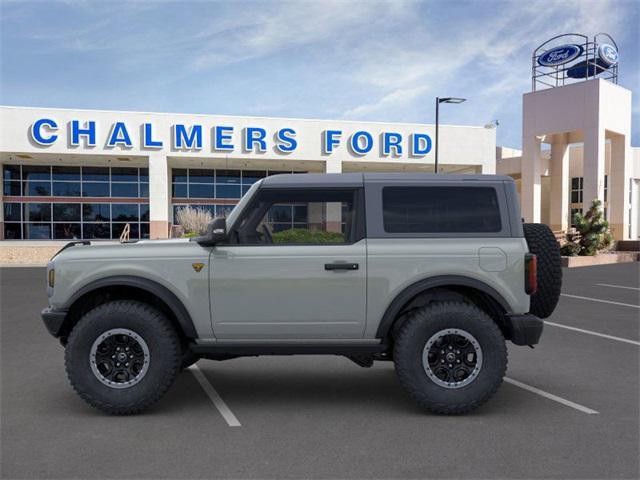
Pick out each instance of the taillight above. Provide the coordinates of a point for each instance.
(530, 274)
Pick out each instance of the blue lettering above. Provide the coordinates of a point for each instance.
(329, 141)
(89, 131)
(391, 140)
(36, 131)
(421, 144)
(356, 144)
(255, 135)
(147, 138)
(186, 139)
(119, 136)
(286, 141)
(221, 137)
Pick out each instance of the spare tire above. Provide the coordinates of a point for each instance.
(542, 242)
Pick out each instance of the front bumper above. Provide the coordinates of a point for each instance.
(53, 319)
(525, 329)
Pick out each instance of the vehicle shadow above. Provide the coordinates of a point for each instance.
(297, 385)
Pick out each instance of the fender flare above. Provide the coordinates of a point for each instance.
(150, 286)
(420, 286)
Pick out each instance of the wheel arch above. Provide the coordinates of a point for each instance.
(476, 291)
(128, 287)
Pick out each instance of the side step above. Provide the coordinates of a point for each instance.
(255, 349)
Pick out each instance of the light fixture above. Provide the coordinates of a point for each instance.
(451, 100)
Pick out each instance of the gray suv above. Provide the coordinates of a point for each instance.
(432, 272)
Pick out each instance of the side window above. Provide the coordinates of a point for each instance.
(440, 210)
(301, 217)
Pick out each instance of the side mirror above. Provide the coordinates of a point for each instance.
(216, 233)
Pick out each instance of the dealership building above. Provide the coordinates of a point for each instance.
(87, 174)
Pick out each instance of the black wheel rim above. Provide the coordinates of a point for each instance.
(452, 358)
(119, 358)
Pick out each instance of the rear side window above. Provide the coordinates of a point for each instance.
(440, 210)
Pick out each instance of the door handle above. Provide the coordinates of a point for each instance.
(341, 266)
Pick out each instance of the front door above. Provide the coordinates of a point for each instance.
(296, 268)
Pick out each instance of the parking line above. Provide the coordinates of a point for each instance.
(600, 300)
(222, 407)
(616, 286)
(590, 332)
(550, 396)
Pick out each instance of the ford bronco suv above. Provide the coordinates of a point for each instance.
(432, 272)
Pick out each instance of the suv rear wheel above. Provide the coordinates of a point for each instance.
(450, 357)
(122, 356)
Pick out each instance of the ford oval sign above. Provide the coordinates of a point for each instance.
(608, 54)
(560, 55)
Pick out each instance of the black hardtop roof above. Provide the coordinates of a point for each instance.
(288, 180)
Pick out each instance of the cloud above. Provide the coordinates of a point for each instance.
(286, 26)
(399, 97)
(488, 55)
(360, 60)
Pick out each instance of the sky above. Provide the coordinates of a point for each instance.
(351, 60)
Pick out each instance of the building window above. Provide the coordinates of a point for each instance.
(576, 189)
(203, 187)
(63, 213)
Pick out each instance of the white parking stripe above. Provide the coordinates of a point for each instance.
(550, 396)
(600, 300)
(616, 286)
(603, 335)
(222, 407)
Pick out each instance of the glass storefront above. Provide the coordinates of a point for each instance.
(77, 202)
(204, 188)
(45, 202)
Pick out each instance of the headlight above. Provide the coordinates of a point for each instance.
(52, 278)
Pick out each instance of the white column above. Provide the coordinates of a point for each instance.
(333, 210)
(333, 165)
(559, 168)
(593, 166)
(487, 168)
(618, 188)
(531, 179)
(159, 197)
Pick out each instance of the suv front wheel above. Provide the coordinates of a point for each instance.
(122, 356)
(450, 357)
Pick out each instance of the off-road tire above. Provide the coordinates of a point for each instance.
(412, 337)
(153, 327)
(542, 242)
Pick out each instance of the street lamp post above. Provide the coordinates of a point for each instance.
(438, 102)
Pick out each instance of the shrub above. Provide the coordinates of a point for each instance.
(300, 235)
(592, 233)
(194, 221)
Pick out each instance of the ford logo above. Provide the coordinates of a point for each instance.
(608, 54)
(560, 55)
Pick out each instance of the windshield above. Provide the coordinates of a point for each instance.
(233, 215)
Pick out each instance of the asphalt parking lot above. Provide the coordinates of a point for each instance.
(570, 409)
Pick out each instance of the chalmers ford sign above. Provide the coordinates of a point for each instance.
(45, 132)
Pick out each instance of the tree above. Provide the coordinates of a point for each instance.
(592, 233)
